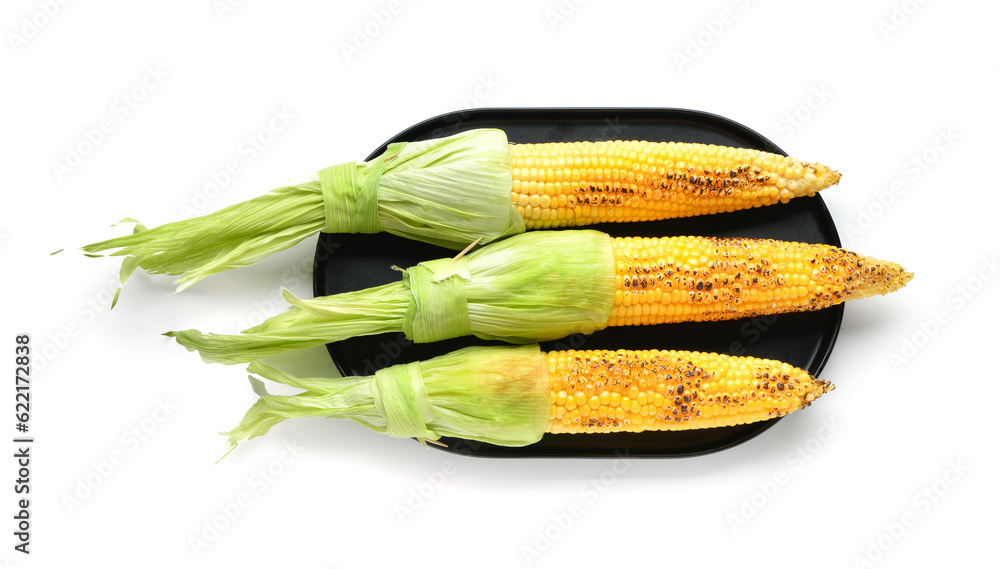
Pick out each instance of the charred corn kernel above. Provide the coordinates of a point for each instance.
(640, 181)
(683, 279)
(693, 390)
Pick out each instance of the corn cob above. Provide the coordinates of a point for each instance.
(692, 279)
(455, 190)
(581, 183)
(549, 284)
(512, 395)
(601, 391)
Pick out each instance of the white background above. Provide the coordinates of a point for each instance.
(896, 467)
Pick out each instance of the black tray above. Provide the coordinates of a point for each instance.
(351, 262)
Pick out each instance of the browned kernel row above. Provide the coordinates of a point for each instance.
(603, 391)
(683, 279)
(580, 183)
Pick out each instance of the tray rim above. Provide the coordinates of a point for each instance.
(706, 115)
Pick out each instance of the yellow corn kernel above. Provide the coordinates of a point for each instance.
(641, 181)
(694, 390)
(685, 279)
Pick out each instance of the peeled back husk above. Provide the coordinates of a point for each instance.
(494, 394)
(446, 191)
(533, 287)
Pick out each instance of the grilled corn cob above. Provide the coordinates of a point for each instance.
(455, 190)
(548, 284)
(511, 395)
(692, 279)
(580, 183)
(601, 391)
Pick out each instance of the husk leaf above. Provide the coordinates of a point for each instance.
(446, 191)
(451, 191)
(493, 394)
(226, 239)
(358, 313)
(532, 287)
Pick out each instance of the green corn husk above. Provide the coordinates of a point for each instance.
(447, 191)
(495, 394)
(532, 287)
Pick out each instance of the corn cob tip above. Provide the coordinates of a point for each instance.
(808, 181)
(818, 388)
(877, 277)
(803, 179)
(833, 176)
